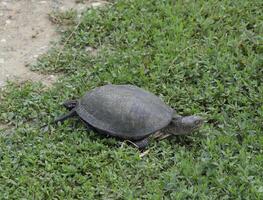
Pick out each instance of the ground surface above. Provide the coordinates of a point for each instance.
(26, 33)
(201, 57)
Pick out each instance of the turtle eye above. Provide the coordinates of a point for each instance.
(198, 122)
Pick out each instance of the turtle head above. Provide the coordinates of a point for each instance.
(184, 125)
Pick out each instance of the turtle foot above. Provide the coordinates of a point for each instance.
(142, 144)
(70, 104)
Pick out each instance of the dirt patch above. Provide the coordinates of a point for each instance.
(26, 33)
(3, 126)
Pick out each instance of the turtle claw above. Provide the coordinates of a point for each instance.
(157, 135)
(160, 136)
(142, 144)
(164, 136)
(144, 153)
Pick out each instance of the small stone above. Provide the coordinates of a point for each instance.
(8, 21)
(3, 40)
(96, 4)
(89, 49)
(2, 61)
(43, 2)
(81, 7)
(2, 83)
(43, 48)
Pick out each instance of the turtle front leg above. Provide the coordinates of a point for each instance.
(164, 136)
(157, 134)
(142, 144)
(161, 135)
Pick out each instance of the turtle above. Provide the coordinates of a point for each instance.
(129, 113)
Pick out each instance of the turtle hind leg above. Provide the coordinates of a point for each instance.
(70, 104)
(142, 144)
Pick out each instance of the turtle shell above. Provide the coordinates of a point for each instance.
(124, 111)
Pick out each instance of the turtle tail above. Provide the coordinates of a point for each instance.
(70, 105)
(62, 118)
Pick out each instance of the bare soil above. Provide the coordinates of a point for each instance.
(26, 33)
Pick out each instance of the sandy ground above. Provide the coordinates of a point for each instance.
(26, 33)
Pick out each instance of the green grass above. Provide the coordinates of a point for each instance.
(201, 57)
(63, 18)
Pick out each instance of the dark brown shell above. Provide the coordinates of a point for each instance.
(125, 111)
